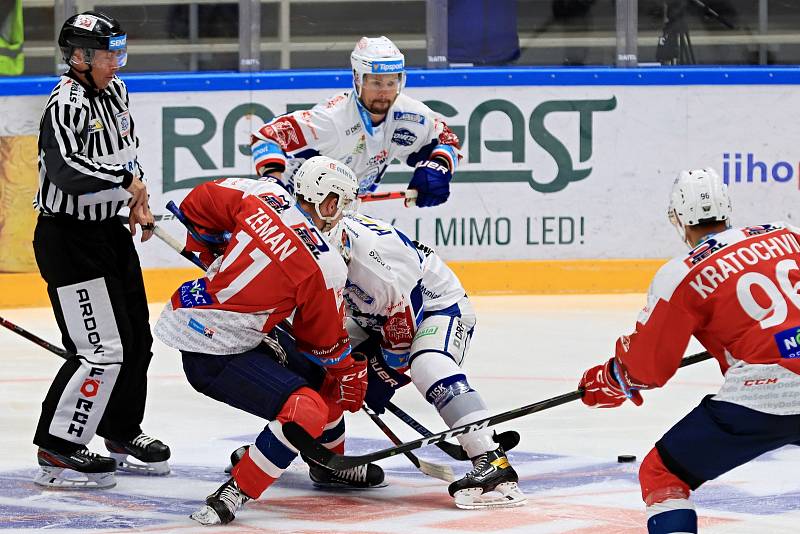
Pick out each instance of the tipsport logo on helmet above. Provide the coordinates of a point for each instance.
(747, 168)
(387, 67)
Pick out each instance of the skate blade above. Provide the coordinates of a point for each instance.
(68, 479)
(206, 516)
(505, 495)
(338, 486)
(154, 469)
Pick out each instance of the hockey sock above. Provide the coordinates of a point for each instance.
(674, 516)
(445, 386)
(272, 454)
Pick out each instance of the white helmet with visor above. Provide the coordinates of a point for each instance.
(376, 55)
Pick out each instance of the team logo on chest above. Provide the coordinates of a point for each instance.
(403, 137)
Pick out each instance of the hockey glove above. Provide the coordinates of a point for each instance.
(432, 181)
(602, 389)
(346, 386)
(383, 381)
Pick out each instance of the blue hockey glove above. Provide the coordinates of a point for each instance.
(432, 181)
(383, 381)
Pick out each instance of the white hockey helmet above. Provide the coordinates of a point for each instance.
(376, 55)
(698, 196)
(319, 176)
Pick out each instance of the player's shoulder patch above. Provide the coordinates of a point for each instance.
(71, 93)
(761, 229)
(668, 278)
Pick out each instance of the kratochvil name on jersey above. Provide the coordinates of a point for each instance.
(264, 226)
(711, 276)
(89, 389)
(403, 137)
(408, 117)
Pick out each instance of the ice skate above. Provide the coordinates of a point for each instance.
(492, 483)
(360, 477)
(81, 469)
(152, 455)
(222, 505)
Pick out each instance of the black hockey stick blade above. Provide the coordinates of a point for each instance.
(303, 441)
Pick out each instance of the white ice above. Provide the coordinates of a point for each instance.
(525, 349)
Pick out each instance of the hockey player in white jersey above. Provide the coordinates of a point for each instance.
(365, 128)
(408, 313)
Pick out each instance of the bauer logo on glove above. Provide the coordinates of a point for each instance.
(432, 181)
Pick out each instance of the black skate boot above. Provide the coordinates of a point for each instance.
(152, 454)
(236, 457)
(222, 505)
(81, 469)
(361, 477)
(491, 472)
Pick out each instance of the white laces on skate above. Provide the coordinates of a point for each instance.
(356, 474)
(86, 452)
(143, 440)
(232, 497)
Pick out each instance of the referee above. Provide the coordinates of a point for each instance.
(88, 171)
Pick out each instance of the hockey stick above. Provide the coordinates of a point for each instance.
(58, 351)
(451, 449)
(301, 440)
(508, 440)
(178, 247)
(409, 195)
(442, 472)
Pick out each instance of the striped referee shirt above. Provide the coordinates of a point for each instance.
(87, 151)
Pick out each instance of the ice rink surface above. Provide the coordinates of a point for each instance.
(525, 349)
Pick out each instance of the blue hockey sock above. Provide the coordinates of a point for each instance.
(682, 521)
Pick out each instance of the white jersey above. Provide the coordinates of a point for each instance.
(393, 282)
(341, 128)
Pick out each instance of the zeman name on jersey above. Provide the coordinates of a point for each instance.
(87, 151)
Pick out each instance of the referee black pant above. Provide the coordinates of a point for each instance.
(94, 281)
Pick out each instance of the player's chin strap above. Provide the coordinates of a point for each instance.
(307, 445)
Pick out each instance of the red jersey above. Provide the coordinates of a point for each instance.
(276, 264)
(738, 293)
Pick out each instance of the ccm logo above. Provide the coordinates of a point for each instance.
(761, 382)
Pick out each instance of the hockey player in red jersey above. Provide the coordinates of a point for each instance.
(737, 292)
(277, 263)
